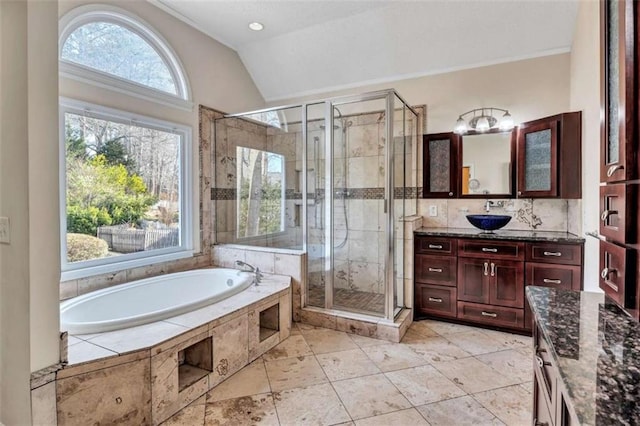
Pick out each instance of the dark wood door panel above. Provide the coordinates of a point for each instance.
(473, 280)
(435, 269)
(436, 300)
(499, 316)
(617, 273)
(567, 277)
(617, 202)
(506, 286)
(488, 249)
(566, 254)
(435, 245)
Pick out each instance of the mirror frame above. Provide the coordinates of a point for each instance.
(513, 175)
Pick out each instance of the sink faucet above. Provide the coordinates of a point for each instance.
(257, 275)
(488, 204)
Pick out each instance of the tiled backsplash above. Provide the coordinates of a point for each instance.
(527, 213)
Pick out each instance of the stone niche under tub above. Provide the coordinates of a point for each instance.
(147, 385)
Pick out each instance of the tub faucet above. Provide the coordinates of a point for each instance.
(256, 271)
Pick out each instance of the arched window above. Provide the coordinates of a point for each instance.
(113, 49)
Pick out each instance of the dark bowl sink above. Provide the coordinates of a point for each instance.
(488, 222)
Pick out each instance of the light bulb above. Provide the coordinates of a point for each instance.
(461, 126)
(506, 123)
(256, 26)
(483, 124)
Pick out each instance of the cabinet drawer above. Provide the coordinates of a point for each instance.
(490, 314)
(567, 254)
(616, 283)
(557, 276)
(491, 249)
(435, 245)
(615, 215)
(436, 269)
(436, 300)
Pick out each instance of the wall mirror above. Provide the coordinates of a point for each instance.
(487, 164)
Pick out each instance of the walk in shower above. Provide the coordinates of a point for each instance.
(334, 178)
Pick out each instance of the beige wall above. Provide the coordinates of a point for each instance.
(529, 89)
(585, 96)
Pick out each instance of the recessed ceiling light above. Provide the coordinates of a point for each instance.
(256, 26)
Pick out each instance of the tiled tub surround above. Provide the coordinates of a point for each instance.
(142, 375)
(595, 346)
(527, 214)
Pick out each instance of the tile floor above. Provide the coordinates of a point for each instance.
(440, 374)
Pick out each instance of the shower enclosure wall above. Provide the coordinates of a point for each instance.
(333, 178)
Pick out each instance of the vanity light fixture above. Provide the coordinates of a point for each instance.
(256, 26)
(482, 120)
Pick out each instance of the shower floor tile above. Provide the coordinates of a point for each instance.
(348, 299)
(431, 382)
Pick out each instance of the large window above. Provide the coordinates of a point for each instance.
(125, 192)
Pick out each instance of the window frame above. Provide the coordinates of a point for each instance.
(103, 13)
(88, 268)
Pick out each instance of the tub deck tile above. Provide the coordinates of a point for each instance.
(133, 338)
(85, 351)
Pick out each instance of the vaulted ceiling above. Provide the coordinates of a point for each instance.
(313, 46)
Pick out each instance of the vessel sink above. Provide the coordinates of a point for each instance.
(488, 222)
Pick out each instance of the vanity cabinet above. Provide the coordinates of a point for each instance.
(440, 176)
(549, 157)
(482, 281)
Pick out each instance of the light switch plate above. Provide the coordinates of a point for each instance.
(5, 230)
(433, 211)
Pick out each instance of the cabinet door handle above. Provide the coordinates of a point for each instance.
(550, 281)
(606, 272)
(537, 423)
(435, 299)
(493, 269)
(614, 169)
(542, 363)
(451, 194)
(552, 253)
(486, 268)
(489, 314)
(489, 250)
(435, 269)
(605, 214)
(435, 246)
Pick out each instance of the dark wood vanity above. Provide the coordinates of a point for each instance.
(480, 279)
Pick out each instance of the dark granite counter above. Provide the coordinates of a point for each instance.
(596, 348)
(501, 234)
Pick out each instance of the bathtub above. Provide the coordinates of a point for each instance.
(151, 299)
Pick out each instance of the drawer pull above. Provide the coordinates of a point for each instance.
(435, 246)
(435, 269)
(493, 269)
(605, 214)
(489, 314)
(486, 268)
(614, 169)
(489, 250)
(552, 253)
(435, 299)
(550, 281)
(537, 423)
(542, 363)
(606, 272)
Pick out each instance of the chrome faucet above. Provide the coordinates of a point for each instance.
(257, 275)
(488, 204)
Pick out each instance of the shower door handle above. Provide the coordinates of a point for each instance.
(385, 206)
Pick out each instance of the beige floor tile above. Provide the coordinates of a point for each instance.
(510, 363)
(463, 411)
(472, 375)
(421, 327)
(444, 328)
(437, 349)
(246, 410)
(409, 417)
(292, 373)
(528, 386)
(251, 380)
(394, 356)
(323, 341)
(513, 341)
(370, 396)
(364, 342)
(291, 347)
(347, 364)
(423, 385)
(512, 404)
(476, 342)
(313, 405)
(191, 415)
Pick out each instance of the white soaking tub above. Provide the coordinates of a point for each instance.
(151, 299)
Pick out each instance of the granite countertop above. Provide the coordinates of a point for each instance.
(501, 234)
(596, 347)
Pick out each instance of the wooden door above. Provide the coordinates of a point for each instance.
(506, 286)
(440, 177)
(473, 280)
(538, 158)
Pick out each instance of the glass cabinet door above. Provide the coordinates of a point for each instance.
(537, 158)
(439, 160)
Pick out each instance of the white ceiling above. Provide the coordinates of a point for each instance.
(313, 46)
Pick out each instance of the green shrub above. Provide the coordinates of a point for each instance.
(85, 247)
(86, 220)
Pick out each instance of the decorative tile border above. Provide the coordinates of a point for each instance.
(346, 193)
